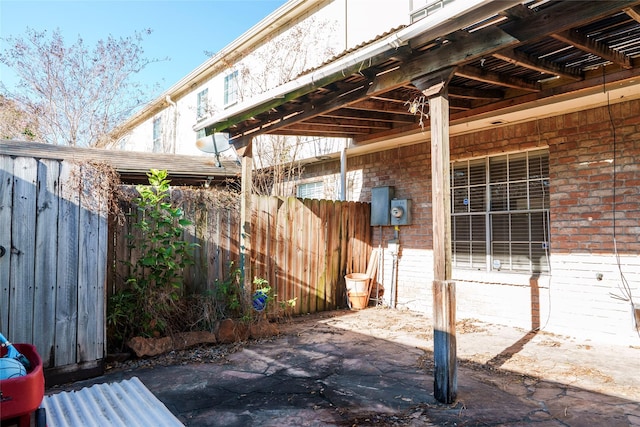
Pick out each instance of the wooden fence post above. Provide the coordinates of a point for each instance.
(245, 219)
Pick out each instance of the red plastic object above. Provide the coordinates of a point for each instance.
(20, 397)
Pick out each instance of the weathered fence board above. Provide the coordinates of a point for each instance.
(46, 256)
(6, 196)
(67, 271)
(53, 274)
(23, 225)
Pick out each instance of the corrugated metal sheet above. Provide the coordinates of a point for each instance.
(125, 403)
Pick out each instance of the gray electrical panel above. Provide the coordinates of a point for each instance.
(380, 205)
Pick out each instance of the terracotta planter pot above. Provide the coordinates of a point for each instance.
(358, 300)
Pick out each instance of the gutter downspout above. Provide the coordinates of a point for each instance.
(343, 173)
(174, 131)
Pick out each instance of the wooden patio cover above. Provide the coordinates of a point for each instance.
(483, 58)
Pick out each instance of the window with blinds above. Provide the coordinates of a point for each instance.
(500, 212)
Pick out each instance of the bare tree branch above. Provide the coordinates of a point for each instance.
(77, 94)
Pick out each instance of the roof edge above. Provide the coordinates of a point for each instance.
(436, 25)
(290, 10)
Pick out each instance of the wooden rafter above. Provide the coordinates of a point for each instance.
(473, 93)
(594, 47)
(521, 59)
(487, 76)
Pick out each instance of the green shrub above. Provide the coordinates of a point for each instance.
(151, 299)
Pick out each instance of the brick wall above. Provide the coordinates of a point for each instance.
(581, 295)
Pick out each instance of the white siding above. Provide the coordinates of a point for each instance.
(329, 29)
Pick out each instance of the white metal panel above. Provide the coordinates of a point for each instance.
(125, 403)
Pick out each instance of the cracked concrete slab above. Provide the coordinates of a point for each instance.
(374, 367)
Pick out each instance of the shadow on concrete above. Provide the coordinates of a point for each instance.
(324, 371)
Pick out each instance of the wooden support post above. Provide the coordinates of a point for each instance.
(245, 219)
(445, 373)
(444, 296)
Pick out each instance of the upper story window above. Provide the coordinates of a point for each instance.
(202, 108)
(231, 88)
(311, 190)
(423, 8)
(500, 212)
(157, 134)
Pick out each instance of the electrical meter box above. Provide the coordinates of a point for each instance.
(400, 212)
(380, 204)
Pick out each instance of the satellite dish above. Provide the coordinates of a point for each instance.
(214, 143)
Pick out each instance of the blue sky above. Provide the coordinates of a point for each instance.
(183, 30)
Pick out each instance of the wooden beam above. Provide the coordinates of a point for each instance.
(434, 83)
(306, 111)
(590, 84)
(562, 16)
(380, 106)
(521, 59)
(594, 47)
(336, 133)
(352, 121)
(474, 93)
(485, 76)
(444, 344)
(377, 116)
(484, 42)
(633, 12)
(328, 129)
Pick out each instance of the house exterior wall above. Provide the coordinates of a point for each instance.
(580, 295)
(324, 30)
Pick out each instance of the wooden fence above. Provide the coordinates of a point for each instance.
(215, 230)
(303, 248)
(62, 255)
(53, 227)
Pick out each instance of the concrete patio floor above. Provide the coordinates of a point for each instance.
(375, 367)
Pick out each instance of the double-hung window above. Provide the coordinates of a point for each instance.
(231, 88)
(202, 108)
(157, 134)
(500, 212)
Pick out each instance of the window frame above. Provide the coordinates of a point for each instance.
(202, 104)
(317, 190)
(508, 190)
(157, 134)
(231, 89)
